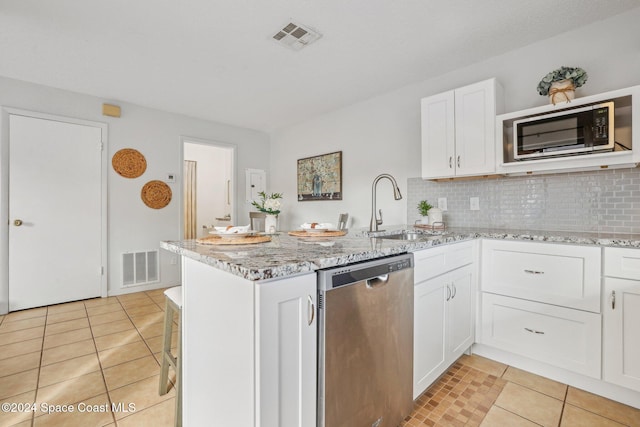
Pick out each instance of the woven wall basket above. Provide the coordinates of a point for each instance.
(156, 194)
(129, 163)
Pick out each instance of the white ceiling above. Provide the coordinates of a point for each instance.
(215, 59)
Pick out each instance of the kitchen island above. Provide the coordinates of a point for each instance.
(249, 331)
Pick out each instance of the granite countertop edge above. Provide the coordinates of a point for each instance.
(288, 256)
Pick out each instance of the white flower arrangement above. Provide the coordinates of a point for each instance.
(269, 204)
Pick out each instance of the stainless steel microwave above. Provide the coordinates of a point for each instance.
(569, 132)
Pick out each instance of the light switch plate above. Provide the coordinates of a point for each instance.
(442, 203)
(474, 203)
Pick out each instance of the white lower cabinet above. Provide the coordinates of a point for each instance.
(249, 349)
(563, 337)
(621, 310)
(444, 314)
(287, 341)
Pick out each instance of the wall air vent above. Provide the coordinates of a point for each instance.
(296, 36)
(140, 268)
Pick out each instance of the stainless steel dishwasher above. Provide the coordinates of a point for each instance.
(365, 348)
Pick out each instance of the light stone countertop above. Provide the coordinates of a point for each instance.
(286, 255)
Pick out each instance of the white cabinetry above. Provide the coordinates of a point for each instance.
(444, 313)
(621, 338)
(458, 131)
(542, 301)
(249, 349)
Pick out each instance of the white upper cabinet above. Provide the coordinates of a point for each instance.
(458, 131)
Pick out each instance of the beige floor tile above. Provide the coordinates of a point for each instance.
(63, 308)
(103, 309)
(160, 415)
(69, 325)
(135, 296)
(143, 309)
(22, 324)
(573, 416)
(498, 417)
(155, 343)
(107, 317)
(18, 348)
(73, 390)
(97, 302)
(65, 338)
(483, 364)
(529, 404)
(111, 327)
(22, 335)
(118, 339)
(535, 382)
(138, 302)
(66, 315)
(151, 330)
(117, 355)
(25, 314)
(602, 406)
(130, 372)
(92, 412)
(66, 352)
(147, 319)
(156, 292)
(22, 411)
(16, 384)
(142, 394)
(20, 363)
(68, 369)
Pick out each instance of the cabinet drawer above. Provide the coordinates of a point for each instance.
(440, 259)
(622, 262)
(564, 275)
(563, 337)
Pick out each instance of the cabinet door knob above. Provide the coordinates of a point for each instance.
(448, 292)
(17, 222)
(458, 161)
(450, 162)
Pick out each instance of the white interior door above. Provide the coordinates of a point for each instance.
(55, 211)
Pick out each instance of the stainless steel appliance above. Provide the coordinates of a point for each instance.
(365, 361)
(568, 132)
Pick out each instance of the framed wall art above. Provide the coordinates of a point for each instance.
(320, 177)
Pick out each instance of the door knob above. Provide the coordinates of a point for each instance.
(17, 222)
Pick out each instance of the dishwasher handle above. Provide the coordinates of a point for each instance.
(377, 281)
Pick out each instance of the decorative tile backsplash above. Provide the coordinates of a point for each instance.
(598, 201)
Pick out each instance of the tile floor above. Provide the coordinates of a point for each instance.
(97, 352)
(103, 351)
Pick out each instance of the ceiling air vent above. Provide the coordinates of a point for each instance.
(296, 36)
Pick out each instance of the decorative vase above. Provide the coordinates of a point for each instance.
(424, 220)
(270, 223)
(561, 91)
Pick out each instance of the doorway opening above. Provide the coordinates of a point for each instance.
(209, 178)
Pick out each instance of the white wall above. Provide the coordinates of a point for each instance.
(382, 134)
(156, 134)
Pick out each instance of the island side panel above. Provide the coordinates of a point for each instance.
(218, 347)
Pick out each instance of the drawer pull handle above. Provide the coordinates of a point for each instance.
(311, 310)
(448, 292)
(533, 331)
(533, 272)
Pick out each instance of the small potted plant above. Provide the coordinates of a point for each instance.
(559, 85)
(423, 209)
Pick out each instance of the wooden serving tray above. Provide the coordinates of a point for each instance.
(429, 227)
(247, 240)
(330, 233)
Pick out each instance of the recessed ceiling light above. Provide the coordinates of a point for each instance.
(296, 36)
